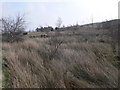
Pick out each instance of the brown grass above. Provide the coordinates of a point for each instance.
(83, 64)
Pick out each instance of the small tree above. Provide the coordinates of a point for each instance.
(59, 22)
(12, 28)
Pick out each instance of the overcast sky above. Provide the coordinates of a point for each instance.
(46, 12)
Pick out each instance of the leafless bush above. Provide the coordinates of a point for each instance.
(54, 42)
(12, 28)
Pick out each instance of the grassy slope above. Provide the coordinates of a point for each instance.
(71, 58)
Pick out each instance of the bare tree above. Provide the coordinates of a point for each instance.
(59, 22)
(12, 28)
(92, 22)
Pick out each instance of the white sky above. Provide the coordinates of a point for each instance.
(46, 12)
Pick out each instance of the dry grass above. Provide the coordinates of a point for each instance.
(83, 64)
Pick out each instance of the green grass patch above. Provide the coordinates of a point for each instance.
(7, 81)
(116, 57)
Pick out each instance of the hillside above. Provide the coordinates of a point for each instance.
(70, 57)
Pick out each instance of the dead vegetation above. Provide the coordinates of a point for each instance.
(66, 59)
(13, 28)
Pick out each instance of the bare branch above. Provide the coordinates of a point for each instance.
(12, 27)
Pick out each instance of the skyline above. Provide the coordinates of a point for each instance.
(44, 13)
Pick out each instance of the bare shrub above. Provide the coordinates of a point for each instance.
(12, 28)
(54, 43)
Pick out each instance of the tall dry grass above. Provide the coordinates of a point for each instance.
(38, 63)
